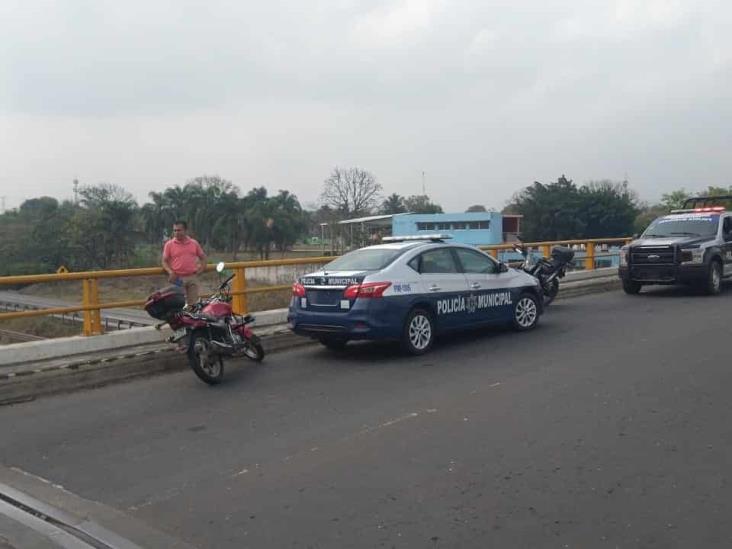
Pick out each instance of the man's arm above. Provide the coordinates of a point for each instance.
(168, 269)
(201, 260)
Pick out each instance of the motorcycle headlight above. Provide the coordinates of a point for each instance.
(692, 255)
(624, 251)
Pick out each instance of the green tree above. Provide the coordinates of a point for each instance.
(563, 211)
(476, 208)
(102, 230)
(607, 209)
(393, 204)
(421, 204)
(550, 211)
(674, 200)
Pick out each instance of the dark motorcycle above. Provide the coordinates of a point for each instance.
(547, 270)
(209, 331)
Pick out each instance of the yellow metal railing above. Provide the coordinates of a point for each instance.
(589, 246)
(91, 305)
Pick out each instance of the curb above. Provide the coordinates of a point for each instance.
(23, 386)
(96, 372)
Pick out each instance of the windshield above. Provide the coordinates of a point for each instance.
(368, 259)
(698, 225)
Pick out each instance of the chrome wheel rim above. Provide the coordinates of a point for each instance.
(420, 332)
(526, 312)
(716, 278)
(251, 352)
(210, 364)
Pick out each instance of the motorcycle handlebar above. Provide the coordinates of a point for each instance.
(225, 282)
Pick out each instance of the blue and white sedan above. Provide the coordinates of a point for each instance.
(410, 289)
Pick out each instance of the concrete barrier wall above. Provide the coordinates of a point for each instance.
(284, 274)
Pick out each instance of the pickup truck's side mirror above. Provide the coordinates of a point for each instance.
(502, 268)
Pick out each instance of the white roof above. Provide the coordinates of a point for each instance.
(365, 219)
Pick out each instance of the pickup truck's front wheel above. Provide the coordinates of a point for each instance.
(631, 287)
(713, 282)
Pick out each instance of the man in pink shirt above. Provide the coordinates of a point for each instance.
(183, 260)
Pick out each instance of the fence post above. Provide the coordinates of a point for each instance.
(87, 330)
(97, 313)
(239, 284)
(545, 250)
(590, 257)
(92, 317)
(493, 252)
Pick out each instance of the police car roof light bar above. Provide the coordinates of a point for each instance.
(432, 237)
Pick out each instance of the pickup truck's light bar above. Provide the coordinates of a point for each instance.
(435, 237)
(710, 209)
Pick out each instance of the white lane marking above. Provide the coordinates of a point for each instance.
(387, 423)
(495, 384)
(362, 432)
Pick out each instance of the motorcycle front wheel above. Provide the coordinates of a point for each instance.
(253, 349)
(206, 364)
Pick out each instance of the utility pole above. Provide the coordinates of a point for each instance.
(76, 192)
(424, 192)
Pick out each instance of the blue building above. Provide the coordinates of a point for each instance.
(469, 228)
(476, 228)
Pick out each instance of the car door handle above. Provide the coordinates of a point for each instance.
(435, 288)
(475, 285)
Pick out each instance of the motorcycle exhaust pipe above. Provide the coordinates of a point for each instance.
(222, 346)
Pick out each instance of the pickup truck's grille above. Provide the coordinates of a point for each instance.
(653, 274)
(656, 255)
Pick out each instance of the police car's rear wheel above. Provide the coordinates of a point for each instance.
(333, 343)
(525, 312)
(419, 332)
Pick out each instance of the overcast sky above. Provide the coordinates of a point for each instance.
(484, 97)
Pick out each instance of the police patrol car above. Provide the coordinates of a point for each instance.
(409, 289)
(689, 246)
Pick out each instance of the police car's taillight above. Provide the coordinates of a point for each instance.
(370, 289)
(298, 290)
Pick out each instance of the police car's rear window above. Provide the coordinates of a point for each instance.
(364, 260)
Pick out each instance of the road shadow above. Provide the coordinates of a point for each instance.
(386, 354)
(678, 291)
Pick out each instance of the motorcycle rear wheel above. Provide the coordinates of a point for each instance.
(206, 364)
(551, 295)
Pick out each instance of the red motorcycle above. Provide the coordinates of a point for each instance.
(209, 331)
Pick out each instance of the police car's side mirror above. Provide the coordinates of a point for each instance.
(502, 268)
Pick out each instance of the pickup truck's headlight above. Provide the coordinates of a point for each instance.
(692, 255)
(624, 251)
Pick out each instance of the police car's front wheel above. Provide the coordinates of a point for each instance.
(419, 332)
(525, 312)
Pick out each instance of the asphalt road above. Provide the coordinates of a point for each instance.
(608, 426)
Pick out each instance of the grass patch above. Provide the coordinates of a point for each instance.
(138, 288)
(40, 326)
